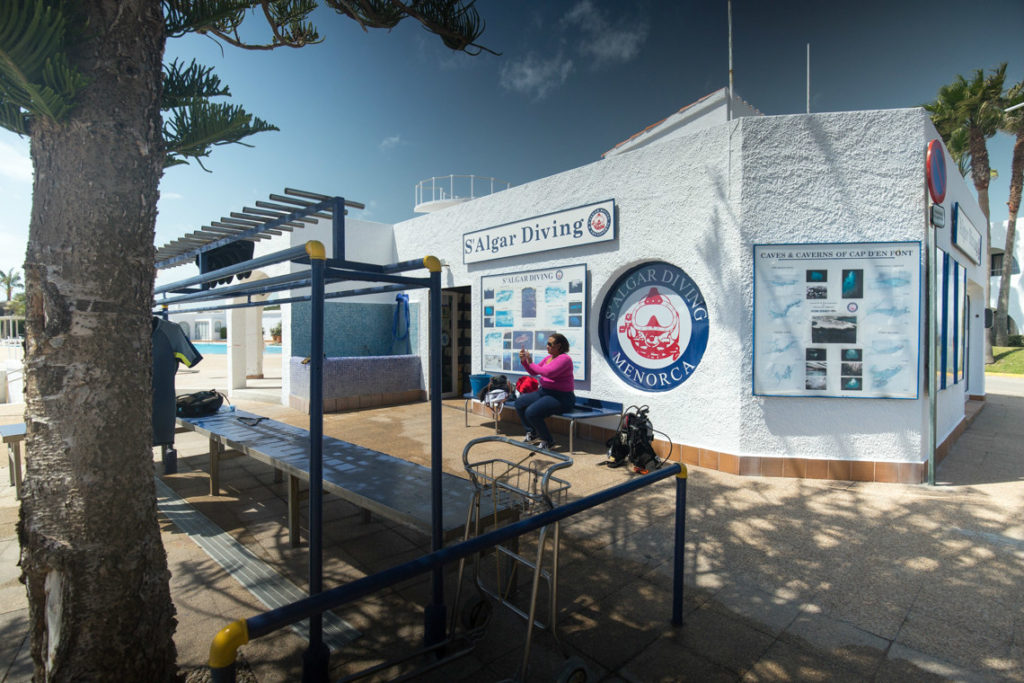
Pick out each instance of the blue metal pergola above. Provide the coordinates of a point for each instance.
(323, 270)
(299, 208)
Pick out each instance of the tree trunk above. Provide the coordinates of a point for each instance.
(92, 558)
(1003, 303)
(981, 174)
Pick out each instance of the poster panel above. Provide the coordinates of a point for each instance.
(837, 320)
(520, 309)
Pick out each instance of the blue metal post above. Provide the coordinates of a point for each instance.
(315, 659)
(338, 228)
(435, 616)
(680, 547)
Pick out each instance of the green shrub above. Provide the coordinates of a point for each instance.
(224, 332)
(275, 331)
(1015, 340)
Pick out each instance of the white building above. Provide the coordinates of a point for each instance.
(764, 284)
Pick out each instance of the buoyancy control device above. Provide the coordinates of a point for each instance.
(632, 443)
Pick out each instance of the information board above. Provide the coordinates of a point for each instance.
(837, 320)
(521, 309)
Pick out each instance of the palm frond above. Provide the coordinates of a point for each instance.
(1013, 121)
(35, 75)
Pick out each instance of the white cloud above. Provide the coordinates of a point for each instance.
(602, 40)
(171, 195)
(390, 142)
(15, 163)
(535, 76)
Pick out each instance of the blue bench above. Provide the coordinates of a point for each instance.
(378, 483)
(584, 409)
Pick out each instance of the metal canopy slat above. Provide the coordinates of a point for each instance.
(237, 221)
(264, 220)
(289, 209)
(276, 214)
(219, 224)
(251, 224)
(220, 232)
(318, 197)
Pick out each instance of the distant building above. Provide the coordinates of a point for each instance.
(1015, 310)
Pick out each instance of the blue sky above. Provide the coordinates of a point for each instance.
(368, 115)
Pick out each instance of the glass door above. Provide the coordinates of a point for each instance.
(449, 367)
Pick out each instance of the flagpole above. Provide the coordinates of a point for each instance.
(729, 109)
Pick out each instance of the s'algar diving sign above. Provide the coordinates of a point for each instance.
(654, 326)
(569, 228)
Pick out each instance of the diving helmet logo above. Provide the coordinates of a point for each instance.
(652, 327)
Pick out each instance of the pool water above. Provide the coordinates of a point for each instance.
(215, 348)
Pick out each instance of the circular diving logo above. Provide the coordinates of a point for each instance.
(654, 326)
(599, 222)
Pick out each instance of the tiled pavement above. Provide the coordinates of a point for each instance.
(786, 579)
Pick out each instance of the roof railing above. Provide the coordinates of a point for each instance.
(447, 190)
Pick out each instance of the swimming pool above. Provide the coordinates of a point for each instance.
(215, 348)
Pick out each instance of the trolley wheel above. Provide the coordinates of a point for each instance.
(574, 671)
(476, 614)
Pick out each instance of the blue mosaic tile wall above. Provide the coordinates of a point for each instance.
(344, 377)
(353, 329)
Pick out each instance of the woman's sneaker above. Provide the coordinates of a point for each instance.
(547, 445)
(530, 437)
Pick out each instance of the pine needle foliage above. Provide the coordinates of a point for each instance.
(35, 78)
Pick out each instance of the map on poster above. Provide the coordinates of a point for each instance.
(837, 320)
(522, 308)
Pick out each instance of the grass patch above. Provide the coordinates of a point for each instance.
(1009, 360)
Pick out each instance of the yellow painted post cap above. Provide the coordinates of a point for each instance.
(316, 250)
(226, 643)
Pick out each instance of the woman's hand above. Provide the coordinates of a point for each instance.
(525, 356)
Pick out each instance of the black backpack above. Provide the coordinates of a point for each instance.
(632, 442)
(497, 382)
(199, 404)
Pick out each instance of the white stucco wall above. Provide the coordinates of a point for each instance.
(709, 111)
(701, 201)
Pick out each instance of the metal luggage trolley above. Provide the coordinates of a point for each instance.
(528, 486)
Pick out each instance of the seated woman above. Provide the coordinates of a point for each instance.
(555, 395)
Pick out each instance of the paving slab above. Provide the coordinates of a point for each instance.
(785, 579)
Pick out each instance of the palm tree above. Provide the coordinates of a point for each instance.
(973, 109)
(1013, 123)
(10, 281)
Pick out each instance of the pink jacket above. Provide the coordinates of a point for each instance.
(554, 372)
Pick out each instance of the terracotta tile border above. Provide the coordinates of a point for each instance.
(771, 467)
(795, 468)
(817, 469)
(741, 465)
